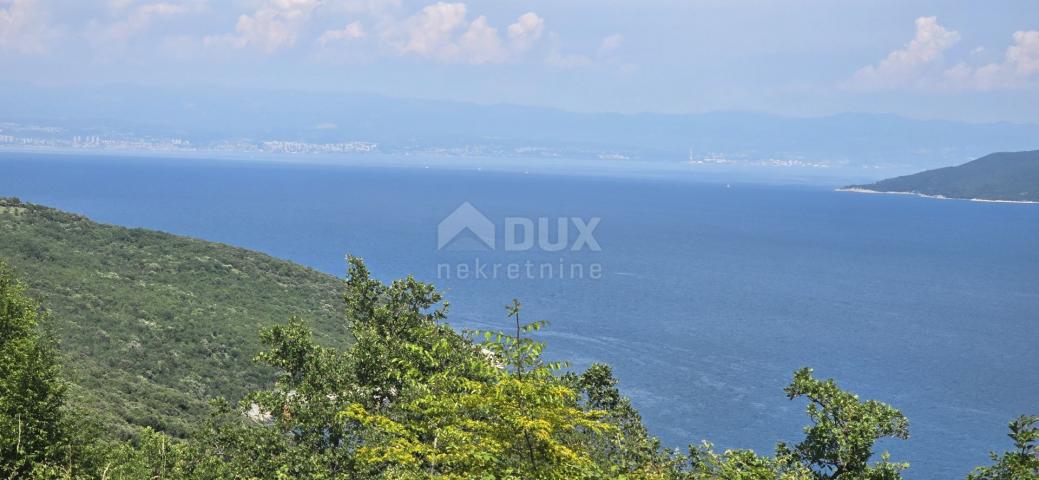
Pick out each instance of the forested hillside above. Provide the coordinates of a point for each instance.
(1006, 176)
(152, 325)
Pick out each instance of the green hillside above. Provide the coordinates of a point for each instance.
(152, 325)
(1010, 176)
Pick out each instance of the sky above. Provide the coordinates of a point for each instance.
(950, 59)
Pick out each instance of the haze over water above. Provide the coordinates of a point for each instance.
(711, 295)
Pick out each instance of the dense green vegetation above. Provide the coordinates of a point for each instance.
(409, 397)
(153, 325)
(999, 176)
(30, 391)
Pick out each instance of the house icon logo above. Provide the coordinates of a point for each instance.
(465, 229)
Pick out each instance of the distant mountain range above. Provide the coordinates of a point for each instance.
(1006, 176)
(236, 118)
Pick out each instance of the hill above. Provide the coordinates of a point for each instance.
(1008, 176)
(152, 325)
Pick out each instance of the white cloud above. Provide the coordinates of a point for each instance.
(1019, 68)
(430, 32)
(1024, 54)
(443, 32)
(921, 64)
(909, 65)
(276, 25)
(480, 43)
(25, 27)
(352, 31)
(526, 31)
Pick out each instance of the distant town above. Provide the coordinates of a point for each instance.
(162, 144)
(21, 137)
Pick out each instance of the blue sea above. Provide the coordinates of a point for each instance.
(713, 290)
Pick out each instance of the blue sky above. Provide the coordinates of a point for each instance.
(965, 60)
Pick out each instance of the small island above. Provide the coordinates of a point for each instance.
(1011, 177)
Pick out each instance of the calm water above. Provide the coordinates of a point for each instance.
(710, 297)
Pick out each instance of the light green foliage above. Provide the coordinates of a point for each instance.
(152, 325)
(1020, 464)
(500, 413)
(744, 465)
(157, 456)
(839, 442)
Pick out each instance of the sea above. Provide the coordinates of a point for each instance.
(704, 290)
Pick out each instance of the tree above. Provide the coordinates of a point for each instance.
(1019, 464)
(31, 393)
(744, 465)
(155, 455)
(839, 443)
(627, 449)
(500, 413)
(409, 398)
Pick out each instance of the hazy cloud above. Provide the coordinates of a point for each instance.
(443, 32)
(140, 18)
(25, 27)
(610, 43)
(568, 60)
(352, 31)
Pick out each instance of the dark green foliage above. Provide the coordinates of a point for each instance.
(999, 176)
(839, 442)
(31, 393)
(40, 436)
(629, 449)
(1020, 464)
(152, 325)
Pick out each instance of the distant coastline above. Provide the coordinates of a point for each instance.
(924, 195)
(1002, 177)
